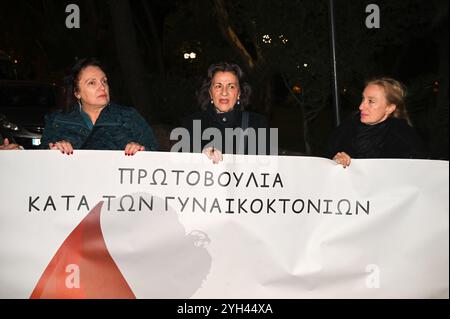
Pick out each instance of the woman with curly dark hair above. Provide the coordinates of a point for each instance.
(222, 98)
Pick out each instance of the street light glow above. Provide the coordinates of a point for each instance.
(267, 39)
(190, 56)
(283, 39)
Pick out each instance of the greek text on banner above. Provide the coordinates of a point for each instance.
(98, 224)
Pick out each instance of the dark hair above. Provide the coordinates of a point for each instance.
(203, 96)
(395, 93)
(73, 78)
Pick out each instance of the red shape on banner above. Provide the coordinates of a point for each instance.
(82, 267)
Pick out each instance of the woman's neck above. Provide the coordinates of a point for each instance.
(221, 112)
(92, 111)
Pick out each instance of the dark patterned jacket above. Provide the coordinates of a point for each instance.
(115, 127)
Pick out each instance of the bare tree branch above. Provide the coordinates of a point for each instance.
(230, 34)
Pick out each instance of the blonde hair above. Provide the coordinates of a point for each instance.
(395, 93)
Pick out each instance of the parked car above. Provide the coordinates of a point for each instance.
(23, 105)
(17, 134)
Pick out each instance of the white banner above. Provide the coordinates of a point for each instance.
(99, 224)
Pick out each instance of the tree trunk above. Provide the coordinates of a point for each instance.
(92, 22)
(156, 40)
(128, 55)
(231, 36)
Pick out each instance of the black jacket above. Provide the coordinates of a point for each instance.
(392, 138)
(223, 121)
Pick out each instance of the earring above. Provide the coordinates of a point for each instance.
(212, 102)
(238, 102)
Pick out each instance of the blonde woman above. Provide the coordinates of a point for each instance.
(381, 128)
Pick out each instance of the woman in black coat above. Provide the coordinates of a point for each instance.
(215, 130)
(381, 129)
